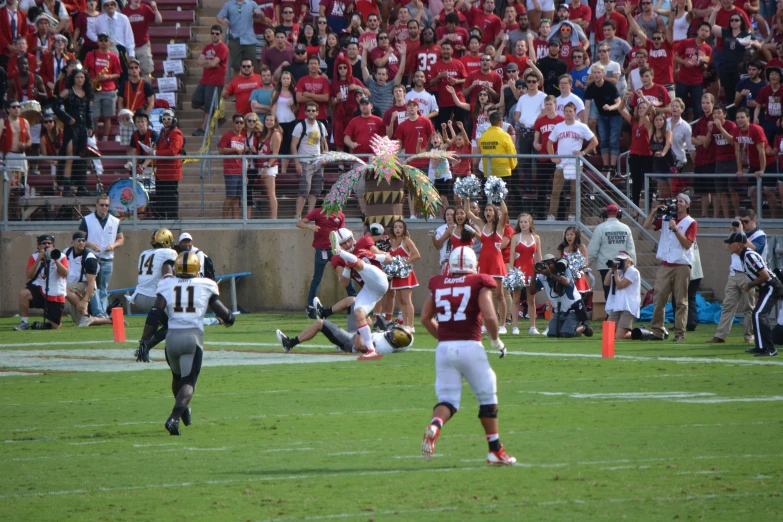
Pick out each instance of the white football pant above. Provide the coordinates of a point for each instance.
(457, 359)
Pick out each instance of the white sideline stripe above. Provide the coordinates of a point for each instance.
(616, 468)
(708, 472)
(19, 374)
(89, 442)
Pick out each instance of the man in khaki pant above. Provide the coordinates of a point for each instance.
(675, 250)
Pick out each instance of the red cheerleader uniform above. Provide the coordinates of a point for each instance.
(456, 242)
(491, 258)
(400, 283)
(524, 258)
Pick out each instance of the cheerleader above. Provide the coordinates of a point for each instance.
(463, 234)
(402, 245)
(572, 245)
(526, 249)
(491, 257)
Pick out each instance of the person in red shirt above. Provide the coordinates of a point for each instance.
(541, 42)
(343, 100)
(723, 16)
(520, 56)
(693, 56)
(397, 113)
(313, 88)
(168, 171)
(242, 87)
(448, 71)
(472, 60)
(10, 31)
(612, 14)
(545, 171)
(653, 93)
(214, 60)
(484, 77)
(425, 56)
(770, 98)
(54, 63)
(485, 19)
(358, 134)
(448, 8)
(233, 143)
(581, 15)
(336, 12)
(46, 289)
(299, 6)
(141, 16)
(104, 67)
(704, 161)
(750, 151)
(454, 33)
(414, 130)
(721, 139)
(460, 145)
(385, 55)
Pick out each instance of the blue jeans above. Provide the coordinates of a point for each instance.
(609, 128)
(99, 300)
(682, 91)
(322, 258)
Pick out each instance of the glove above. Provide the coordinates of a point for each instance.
(497, 344)
(142, 353)
(230, 320)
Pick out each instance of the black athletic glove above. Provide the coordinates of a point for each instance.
(142, 353)
(230, 320)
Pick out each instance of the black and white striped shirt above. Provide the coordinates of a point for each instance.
(753, 264)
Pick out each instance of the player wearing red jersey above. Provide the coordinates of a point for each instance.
(453, 315)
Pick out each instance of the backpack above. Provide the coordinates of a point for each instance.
(321, 127)
(209, 268)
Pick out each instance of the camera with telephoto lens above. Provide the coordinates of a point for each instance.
(616, 263)
(735, 224)
(668, 209)
(52, 253)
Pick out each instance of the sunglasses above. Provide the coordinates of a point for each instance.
(167, 118)
(531, 81)
(239, 122)
(383, 38)
(288, 12)
(565, 29)
(745, 221)
(321, 22)
(83, 240)
(734, 20)
(103, 39)
(15, 107)
(102, 205)
(603, 50)
(657, 38)
(47, 122)
(342, 67)
(486, 60)
(299, 53)
(311, 110)
(251, 121)
(216, 33)
(247, 66)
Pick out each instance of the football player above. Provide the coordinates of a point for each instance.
(154, 264)
(184, 300)
(364, 266)
(396, 339)
(460, 299)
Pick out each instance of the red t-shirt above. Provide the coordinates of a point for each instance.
(460, 36)
(215, 75)
(748, 140)
(361, 130)
(453, 69)
(696, 54)
(242, 87)
(96, 63)
(408, 133)
(337, 8)
(295, 4)
(267, 7)
(318, 85)
(346, 100)
(140, 20)
(544, 125)
(490, 24)
(231, 140)
(395, 115)
(620, 20)
(423, 59)
(771, 100)
(661, 62)
(724, 149)
(541, 47)
(704, 155)
(565, 54)
(463, 22)
(640, 140)
(653, 94)
(462, 167)
(366, 8)
(326, 224)
(457, 303)
(392, 64)
(478, 79)
(471, 63)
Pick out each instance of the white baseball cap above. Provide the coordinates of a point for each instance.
(184, 236)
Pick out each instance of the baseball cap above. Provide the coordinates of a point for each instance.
(300, 47)
(45, 237)
(520, 83)
(79, 235)
(685, 197)
(412, 101)
(512, 67)
(612, 209)
(554, 42)
(548, 257)
(183, 236)
(103, 33)
(364, 99)
(623, 255)
(736, 237)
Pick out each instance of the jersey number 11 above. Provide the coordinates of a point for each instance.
(191, 308)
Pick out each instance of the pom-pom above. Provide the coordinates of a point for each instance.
(515, 280)
(495, 189)
(467, 187)
(398, 268)
(577, 263)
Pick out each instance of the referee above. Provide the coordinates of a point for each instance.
(770, 291)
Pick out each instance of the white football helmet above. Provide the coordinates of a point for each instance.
(463, 261)
(343, 236)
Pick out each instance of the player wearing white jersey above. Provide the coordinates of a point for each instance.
(152, 263)
(185, 298)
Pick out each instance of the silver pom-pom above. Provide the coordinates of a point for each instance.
(515, 280)
(398, 268)
(467, 187)
(495, 189)
(577, 263)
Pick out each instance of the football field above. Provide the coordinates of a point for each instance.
(664, 431)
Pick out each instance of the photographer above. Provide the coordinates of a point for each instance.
(623, 300)
(770, 292)
(733, 295)
(675, 250)
(609, 239)
(570, 317)
(80, 283)
(46, 272)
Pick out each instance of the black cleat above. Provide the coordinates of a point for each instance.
(186, 419)
(172, 426)
(285, 342)
(767, 353)
(318, 308)
(754, 350)
(310, 312)
(37, 325)
(380, 324)
(142, 353)
(588, 329)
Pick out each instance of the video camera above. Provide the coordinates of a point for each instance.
(616, 263)
(668, 209)
(556, 266)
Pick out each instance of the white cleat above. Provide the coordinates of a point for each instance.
(545, 332)
(515, 331)
(500, 458)
(533, 331)
(428, 442)
(502, 330)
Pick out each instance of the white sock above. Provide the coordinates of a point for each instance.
(348, 257)
(25, 319)
(364, 331)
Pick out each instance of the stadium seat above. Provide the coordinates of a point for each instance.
(181, 34)
(165, 5)
(184, 16)
(112, 148)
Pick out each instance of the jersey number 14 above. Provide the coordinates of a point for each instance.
(441, 302)
(146, 264)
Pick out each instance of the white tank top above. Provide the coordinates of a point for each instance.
(681, 26)
(283, 110)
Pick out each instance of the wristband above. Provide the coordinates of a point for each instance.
(380, 258)
(347, 272)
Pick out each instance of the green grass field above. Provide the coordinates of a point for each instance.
(663, 432)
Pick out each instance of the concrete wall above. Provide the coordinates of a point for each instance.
(281, 261)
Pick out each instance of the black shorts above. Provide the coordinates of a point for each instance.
(703, 182)
(53, 311)
(443, 186)
(724, 184)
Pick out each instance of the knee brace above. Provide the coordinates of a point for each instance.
(451, 408)
(156, 317)
(488, 411)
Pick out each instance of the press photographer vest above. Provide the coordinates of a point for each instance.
(669, 248)
(57, 284)
(76, 265)
(102, 236)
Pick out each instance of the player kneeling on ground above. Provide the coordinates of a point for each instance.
(570, 317)
(395, 339)
(453, 315)
(363, 266)
(185, 298)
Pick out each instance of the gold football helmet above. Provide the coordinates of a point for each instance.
(162, 238)
(187, 265)
(400, 337)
